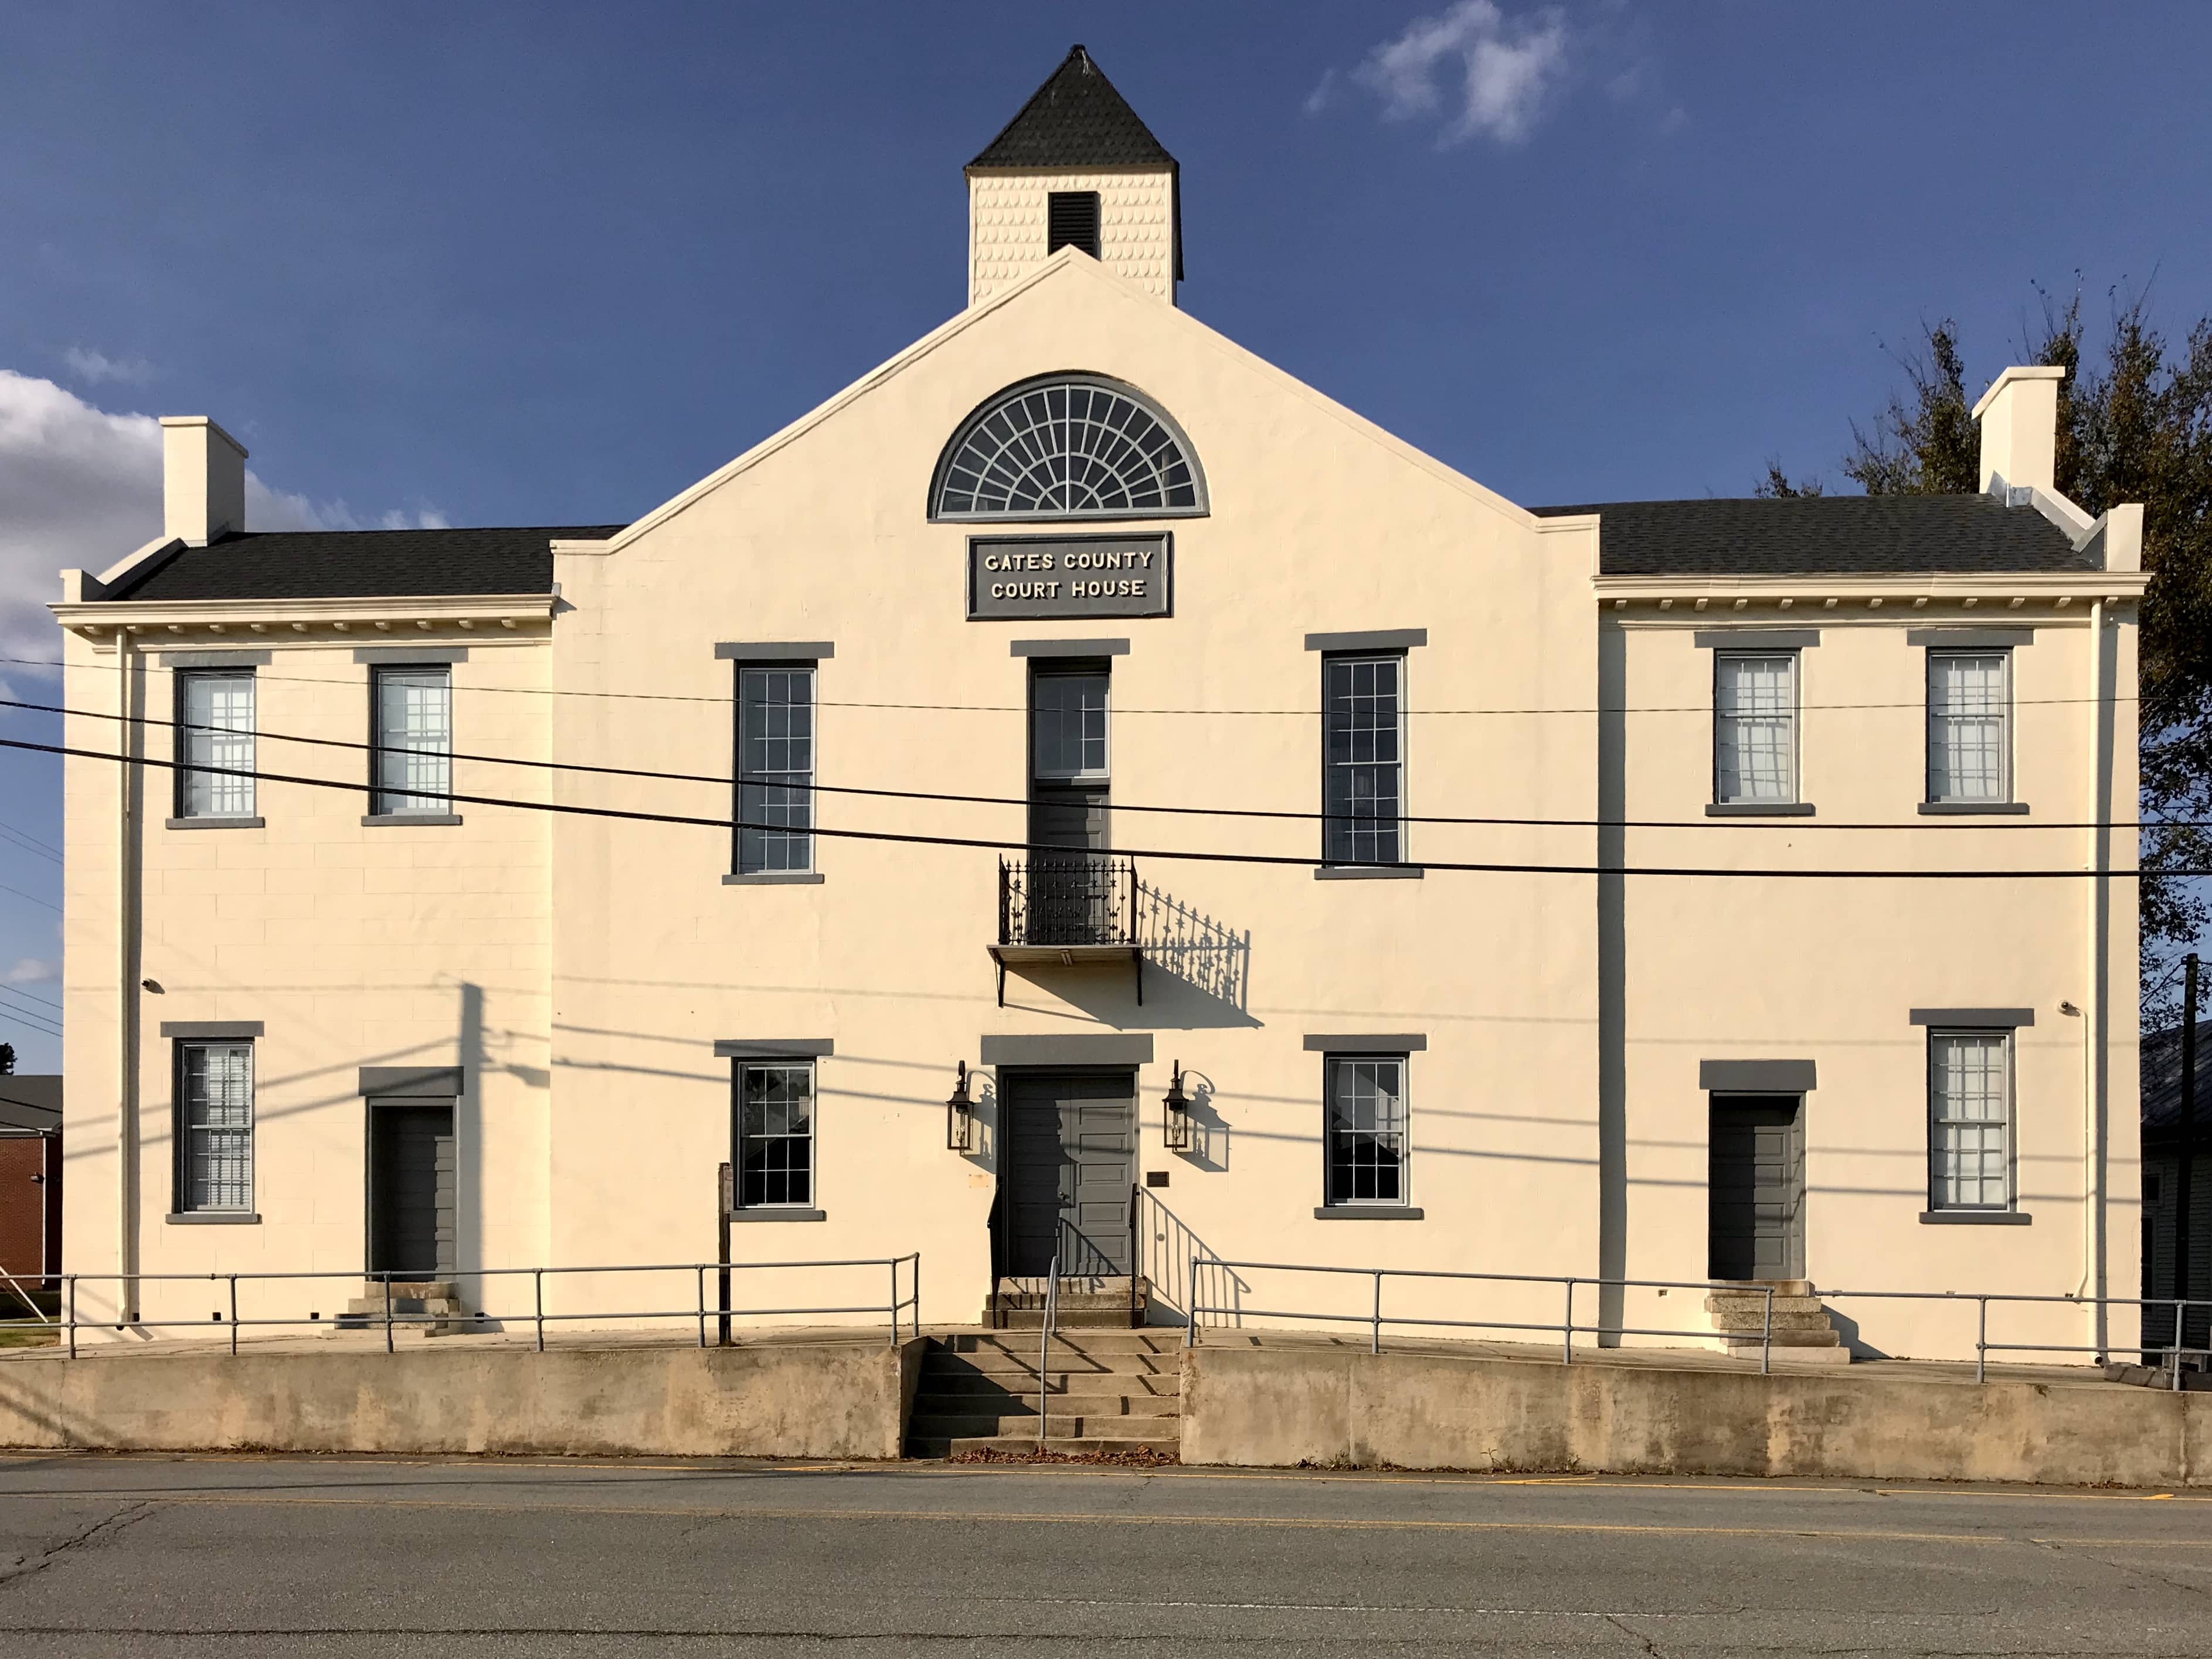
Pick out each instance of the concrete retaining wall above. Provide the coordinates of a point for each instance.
(802, 1399)
(1283, 1406)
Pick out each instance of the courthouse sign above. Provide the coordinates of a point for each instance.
(1045, 577)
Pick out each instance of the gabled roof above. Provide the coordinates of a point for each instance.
(1075, 119)
(1826, 535)
(357, 564)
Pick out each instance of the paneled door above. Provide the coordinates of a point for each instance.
(1070, 1159)
(411, 1190)
(1756, 1187)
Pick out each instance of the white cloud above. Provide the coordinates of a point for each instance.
(31, 971)
(97, 367)
(83, 487)
(1488, 75)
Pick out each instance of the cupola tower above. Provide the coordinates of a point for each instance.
(1075, 167)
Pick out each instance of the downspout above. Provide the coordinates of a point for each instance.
(2092, 999)
(126, 1056)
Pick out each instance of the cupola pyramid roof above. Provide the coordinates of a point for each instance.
(1075, 119)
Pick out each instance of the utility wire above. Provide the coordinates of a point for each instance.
(720, 781)
(1175, 855)
(29, 996)
(1023, 708)
(26, 844)
(19, 893)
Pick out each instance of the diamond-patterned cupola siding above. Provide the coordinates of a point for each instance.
(1069, 448)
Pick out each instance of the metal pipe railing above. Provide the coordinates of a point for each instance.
(1984, 1347)
(1567, 1327)
(901, 1298)
(1044, 1350)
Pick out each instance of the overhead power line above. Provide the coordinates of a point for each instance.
(1169, 855)
(723, 781)
(1584, 711)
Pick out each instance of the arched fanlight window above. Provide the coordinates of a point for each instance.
(1069, 446)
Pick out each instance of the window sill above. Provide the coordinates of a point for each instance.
(1758, 809)
(1975, 1218)
(213, 1218)
(411, 817)
(1368, 873)
(210, 821)
(774, 878)
(1944, 809)
(1367, 1212)
(775, 1212)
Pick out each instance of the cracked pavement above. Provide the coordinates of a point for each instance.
(244, 1556)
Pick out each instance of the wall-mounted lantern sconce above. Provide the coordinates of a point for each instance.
(960, 1116)
(1175, 1113)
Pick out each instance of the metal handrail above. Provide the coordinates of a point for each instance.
(1567, 1328)
(1044, 1349)
(23, 1297)
(1984, 1347)
(901, 1300)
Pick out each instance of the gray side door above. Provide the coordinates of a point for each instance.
(1071, 1157)
(412, 1189)
(1756, 1187)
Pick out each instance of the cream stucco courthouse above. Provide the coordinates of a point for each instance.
(1082, 702)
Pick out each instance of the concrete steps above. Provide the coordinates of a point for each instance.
(1106, 1392)
(1801, 1326)
(431, 1306)
(1096, 1303)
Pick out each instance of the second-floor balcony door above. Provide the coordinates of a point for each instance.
(1071, 895)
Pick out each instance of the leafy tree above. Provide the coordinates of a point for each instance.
(2137, 427)
(6, 1060)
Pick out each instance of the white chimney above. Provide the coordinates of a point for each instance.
(202, 480)
(2020, 429)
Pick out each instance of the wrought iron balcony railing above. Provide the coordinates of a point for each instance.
(1068, 901)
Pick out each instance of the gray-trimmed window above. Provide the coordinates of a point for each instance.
(214, 1127)
(1969, 727)
(1970, 1119)
(1364, 1138)
(1069, 708)
(775, 767)
(1364, 758)
(411, 727)
(215, 729)
(1755, 728)
(1067, 447)
(774, 1134)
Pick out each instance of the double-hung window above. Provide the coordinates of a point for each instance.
(775, 769)
(775, 1135)
(215, 1128)
(1755, 728)
(1363, 759)
(215, 744)
(1969, 746)
(412, 732)
(1365, 1132)
(1970, 1154)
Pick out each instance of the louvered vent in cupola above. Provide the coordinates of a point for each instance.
(1072, 221)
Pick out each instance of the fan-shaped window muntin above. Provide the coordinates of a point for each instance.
(1071, 447)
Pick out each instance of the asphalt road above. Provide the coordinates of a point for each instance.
(234, 1557)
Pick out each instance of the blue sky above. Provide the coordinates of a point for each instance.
(550, 264)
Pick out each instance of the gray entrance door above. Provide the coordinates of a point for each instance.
(1756, 1187)
(411, 1190)
(1071, 1155)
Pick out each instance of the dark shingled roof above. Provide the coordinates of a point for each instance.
(359, 564)
(32, 1102)
(1825, 535)
(2161, 1081)
(1075, 119)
